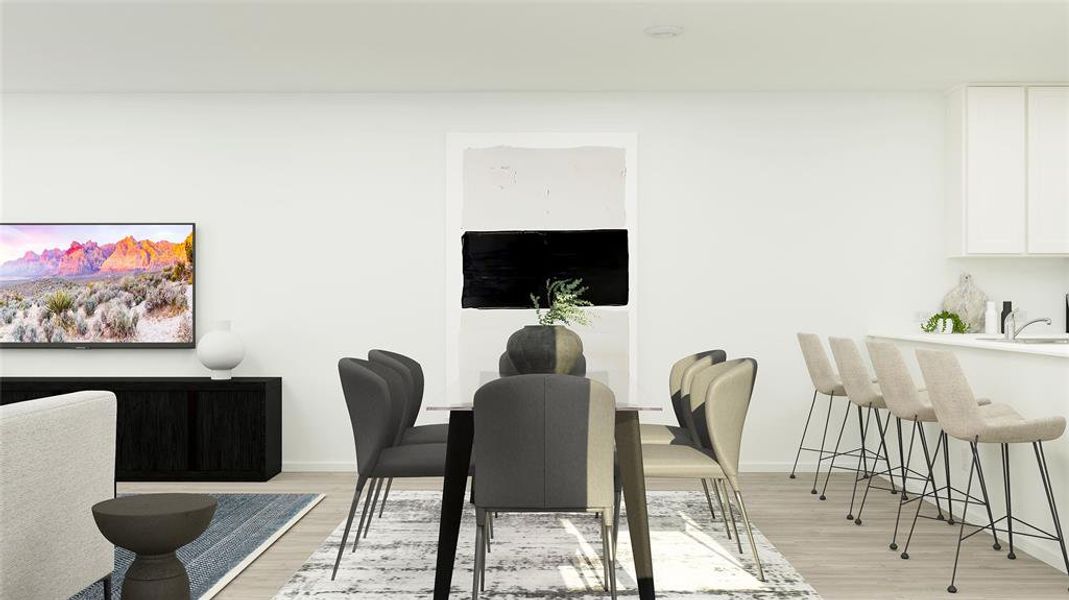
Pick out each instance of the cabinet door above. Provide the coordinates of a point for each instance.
(995, 170)
(1048, 170)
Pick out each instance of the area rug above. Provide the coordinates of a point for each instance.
(547, 556)
(243, 527)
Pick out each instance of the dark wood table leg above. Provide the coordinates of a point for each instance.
(457, 460)
(629, 455)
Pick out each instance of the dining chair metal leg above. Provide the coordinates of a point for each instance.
(374, 501)
(608, 551)
(479, 559)
(708, 499)
(731, 513)
(486, 550)
(961, 531)
(801, 442)
(385, 495)
(364, 513)
(987, 499)
(749, 535)
(360, 481)
(617, 493)
(1044, 473)
(823, 438)
(835, 453)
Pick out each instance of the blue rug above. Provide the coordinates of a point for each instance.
(243, 527)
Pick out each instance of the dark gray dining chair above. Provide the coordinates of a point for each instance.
(372, 394)
(544, 443)
(411, 374)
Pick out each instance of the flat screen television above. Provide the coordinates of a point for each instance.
(97, 285)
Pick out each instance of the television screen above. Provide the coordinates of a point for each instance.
(97, 285)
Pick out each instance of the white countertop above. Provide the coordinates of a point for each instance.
(981, 341)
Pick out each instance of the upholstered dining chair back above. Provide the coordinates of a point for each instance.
(544, 442)
(817, 363)
(683, 369)
(857, 381)
(367, 396)
(412, 374)
(896, 384)
(952, 397)
(720, 401)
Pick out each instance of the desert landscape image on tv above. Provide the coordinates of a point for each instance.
(96, 284)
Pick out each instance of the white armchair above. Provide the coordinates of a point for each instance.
(57, 459)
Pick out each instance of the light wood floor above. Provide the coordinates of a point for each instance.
(838, 558)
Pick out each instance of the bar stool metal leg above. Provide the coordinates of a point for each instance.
(863, 424)
(1044, 473)
(801, 442)
(1009, 499)
(987, 499)
(946, 468)
(961, 531)
(834, 454)
(823, 438)
(931, 460)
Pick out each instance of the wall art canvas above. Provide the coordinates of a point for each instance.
(94, 285)
(525, 208)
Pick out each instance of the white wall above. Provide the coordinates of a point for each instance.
(320, 226)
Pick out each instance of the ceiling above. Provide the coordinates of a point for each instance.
(288, 46)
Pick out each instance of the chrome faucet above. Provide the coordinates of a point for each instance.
(1010, 324)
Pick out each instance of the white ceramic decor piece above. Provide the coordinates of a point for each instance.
(968, 302)
(220, 350)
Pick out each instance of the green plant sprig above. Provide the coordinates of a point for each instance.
(564, 297)
(959, 326)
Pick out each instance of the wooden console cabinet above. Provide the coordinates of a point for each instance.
(182, 428)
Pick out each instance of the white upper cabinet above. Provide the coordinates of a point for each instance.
(1048, 170)
(1008, 187)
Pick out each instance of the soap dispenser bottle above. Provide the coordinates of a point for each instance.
(991, 319)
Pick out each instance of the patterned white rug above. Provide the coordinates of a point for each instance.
(547, 556)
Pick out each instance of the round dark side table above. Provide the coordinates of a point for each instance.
(153, 526)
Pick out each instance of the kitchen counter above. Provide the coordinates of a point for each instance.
(982, 341)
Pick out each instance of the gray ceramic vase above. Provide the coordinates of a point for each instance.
(545, 349)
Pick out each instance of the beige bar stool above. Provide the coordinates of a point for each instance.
(909, 403)
(867, 398)
(825, 381)
(960, 417)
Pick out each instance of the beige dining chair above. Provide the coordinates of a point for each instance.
(719, 401)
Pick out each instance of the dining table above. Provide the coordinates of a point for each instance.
(457, 464)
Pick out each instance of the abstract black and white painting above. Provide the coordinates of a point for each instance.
(525, 208)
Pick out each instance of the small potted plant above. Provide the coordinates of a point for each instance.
(549, 346)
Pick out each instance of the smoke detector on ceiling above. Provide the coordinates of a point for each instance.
(664, 32)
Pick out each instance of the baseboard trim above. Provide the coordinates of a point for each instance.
(350, 467)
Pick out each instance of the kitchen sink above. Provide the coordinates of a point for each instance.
(1030, 340)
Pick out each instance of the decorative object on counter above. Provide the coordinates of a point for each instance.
(945, 322)
(1007, 308)
(968, 301)
(220, 350)
(991, 318)
(550, 347)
